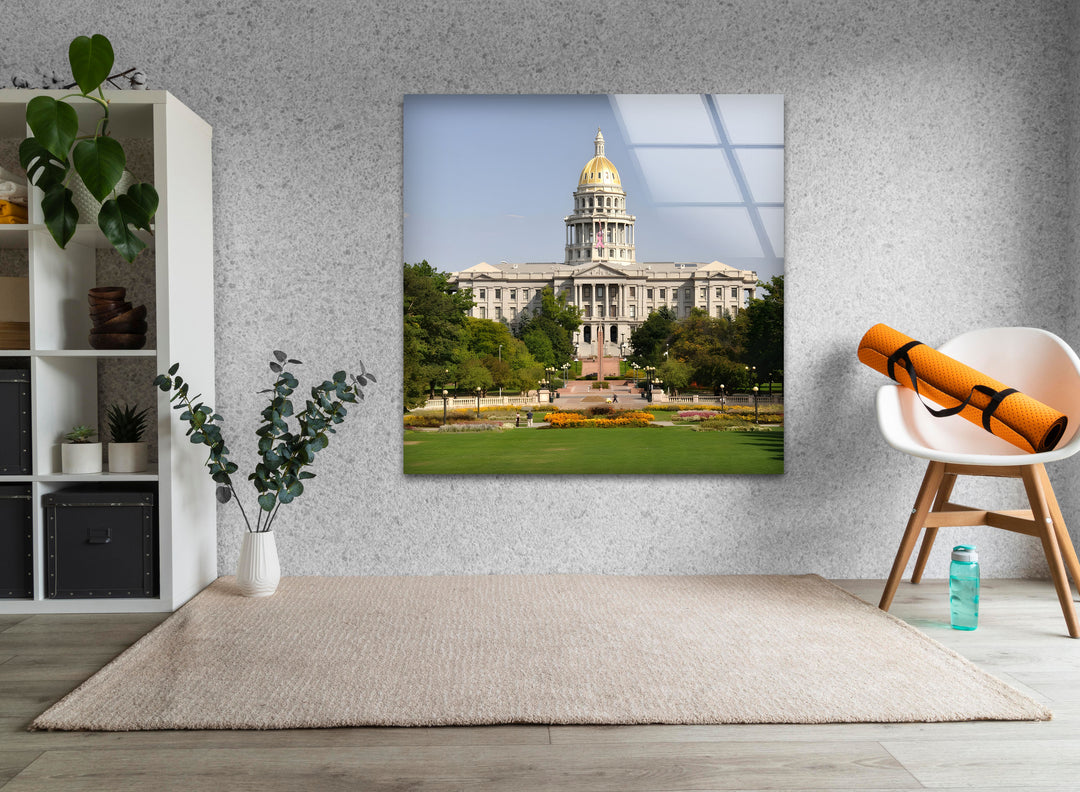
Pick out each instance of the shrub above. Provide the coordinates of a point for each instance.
(600, 385)
(423, 421)
(600, 410)
(475, 426)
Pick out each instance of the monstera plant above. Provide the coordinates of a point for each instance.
(285, 451)
(56, 149)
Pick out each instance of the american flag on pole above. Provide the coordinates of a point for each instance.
(599, 236)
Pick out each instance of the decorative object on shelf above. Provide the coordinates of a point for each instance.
(14, 313)
(84, 200)
(127, 450)
(101, 542)
(49, 155)
(15, 445)
(80, 454)
(13, 197)
(284, 452)
(258, 571)
(116, 324)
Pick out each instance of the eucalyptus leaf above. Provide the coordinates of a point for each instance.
(91, 59)
(224, 494)
(267, 500)
(281, 356)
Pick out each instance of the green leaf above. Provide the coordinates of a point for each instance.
(54, 124)
(61, 216)
(91, 60)
(42, 168)
(100, 162)
(114, 225)
(304, 474)
(266, 500)
(174, 369)
(139, 204)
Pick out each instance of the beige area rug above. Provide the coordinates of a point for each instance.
(412, 651)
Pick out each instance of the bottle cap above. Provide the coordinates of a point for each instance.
(965, 553)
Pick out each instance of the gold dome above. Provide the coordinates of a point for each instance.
(599, 170)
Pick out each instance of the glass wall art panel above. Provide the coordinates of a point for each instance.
(594, 284)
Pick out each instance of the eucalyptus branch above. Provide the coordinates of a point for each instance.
(283, 453)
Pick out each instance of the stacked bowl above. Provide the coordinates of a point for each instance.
(116, 325)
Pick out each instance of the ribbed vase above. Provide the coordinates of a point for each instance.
(258, 572)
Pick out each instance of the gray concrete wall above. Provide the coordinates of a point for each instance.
(929, 152)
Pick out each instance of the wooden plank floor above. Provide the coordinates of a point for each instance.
(1020, 638)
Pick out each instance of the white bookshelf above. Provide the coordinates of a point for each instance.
(64, 369)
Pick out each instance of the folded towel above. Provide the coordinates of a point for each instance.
(8, 209)
(14, 192)
(9, 220)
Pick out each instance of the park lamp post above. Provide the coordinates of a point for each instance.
(722, 401)
(565, 369)
(444, 396)
(500, 373)
(478, 401)
(755, 406)
(550, 371)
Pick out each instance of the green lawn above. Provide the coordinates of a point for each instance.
(632, 450)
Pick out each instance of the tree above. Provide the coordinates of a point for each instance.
(675, 374)
(557, 321)
(474, 374)
(763, 323)
(649, 338)
(434, 323)
(709, 345)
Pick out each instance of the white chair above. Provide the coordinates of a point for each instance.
(1034, 362)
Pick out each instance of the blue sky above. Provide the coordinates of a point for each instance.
(490, 178)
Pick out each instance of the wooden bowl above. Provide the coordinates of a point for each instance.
(97, 316)
(116, 326)
(117, 323)
(106, 293)
(117, 340)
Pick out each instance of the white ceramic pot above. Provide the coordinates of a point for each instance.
(127, 457)
(87, 204)
(258, 572)
(79, 458)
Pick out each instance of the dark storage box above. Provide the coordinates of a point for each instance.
(100, 543)
(16, 543)
(14, 422)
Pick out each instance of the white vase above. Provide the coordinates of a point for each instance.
(80, 458)
(258, 572)
(127, 457)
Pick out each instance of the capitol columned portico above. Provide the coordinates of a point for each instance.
(600, 273)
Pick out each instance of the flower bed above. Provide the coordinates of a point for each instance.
(573, 420)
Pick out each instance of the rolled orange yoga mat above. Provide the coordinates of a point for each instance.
(961, 390)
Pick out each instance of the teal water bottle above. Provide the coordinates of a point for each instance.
(964, 587)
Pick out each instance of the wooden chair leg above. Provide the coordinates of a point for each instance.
(943, 494)
(1068, 552)
(1044, 523)
(935, 471)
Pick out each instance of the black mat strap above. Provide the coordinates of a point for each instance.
(900, 357)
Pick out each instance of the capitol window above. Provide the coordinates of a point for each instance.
(662, 293)
(734, 292)
(633, 291)
(648, 294)
(513, 294)
(483, 294)
(498, 294)
(704, 293)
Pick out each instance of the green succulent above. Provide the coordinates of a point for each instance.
(126, 424)
(81, 434)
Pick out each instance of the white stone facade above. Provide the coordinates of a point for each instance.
(600, 274)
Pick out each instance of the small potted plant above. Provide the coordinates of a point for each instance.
(80, 454)
(127, 451)
(57, 156)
